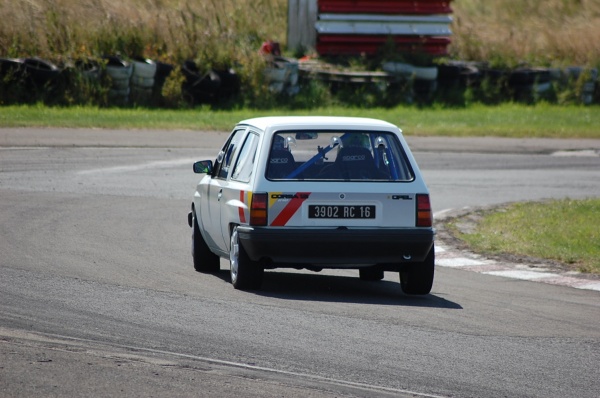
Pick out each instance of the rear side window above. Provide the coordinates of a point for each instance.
(245, 163)
(338, 155)
(228, 154)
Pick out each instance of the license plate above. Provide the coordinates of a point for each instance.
(341, 211)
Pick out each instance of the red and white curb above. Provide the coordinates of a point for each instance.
(445, 257)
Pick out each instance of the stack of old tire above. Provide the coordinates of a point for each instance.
(163, 70)
(281, 75)
(211, 86)
(138, 81)
(424, 78)
(587, 79)
(522, 84)
(528, 84)
(28, 79)
(119, 71)
(142, 80)
(88, 69)
(454, 77)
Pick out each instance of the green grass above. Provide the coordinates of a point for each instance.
(562, 230)
(507, 120)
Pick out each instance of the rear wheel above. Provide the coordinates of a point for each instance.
(370, 274)
(245, 274)
(204, 260)
(418, 278)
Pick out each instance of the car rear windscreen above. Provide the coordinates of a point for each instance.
(338, 156)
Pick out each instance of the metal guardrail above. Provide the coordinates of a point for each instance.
(366, 24)
(356, 27)
(386, 6)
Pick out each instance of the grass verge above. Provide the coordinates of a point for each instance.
(506, 120)
(559, 230)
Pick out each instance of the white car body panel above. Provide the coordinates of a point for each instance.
(347, 182)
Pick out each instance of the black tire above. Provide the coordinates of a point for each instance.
(205, 261)
(199, 87)
(370, 274)
(418, 278)
(40, 72)
(245, 274)
(12, 68)
(163, 71)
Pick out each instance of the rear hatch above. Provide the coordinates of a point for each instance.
(347, 207)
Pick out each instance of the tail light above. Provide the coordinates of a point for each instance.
(258, 209)
(424, 218)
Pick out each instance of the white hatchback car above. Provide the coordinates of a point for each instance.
(314, 192)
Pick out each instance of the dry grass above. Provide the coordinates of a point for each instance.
(171, 30)
(545, 32)
(542, 32)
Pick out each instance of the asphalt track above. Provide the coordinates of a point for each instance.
(98, 296)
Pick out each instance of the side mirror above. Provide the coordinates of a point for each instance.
(203, 167)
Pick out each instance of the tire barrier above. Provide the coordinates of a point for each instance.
(527, 84)
(11, 77)
(140, 81)
(282, 75)
(522, 84)
(40, 73)
(11, 69)
(424, 79)
(230, 83)
(29, 78)
(586, 78)
(119, 71)
(89, 69)
(199, 87)
(275, 77)
(531, 84)
(210, 87)
(163, 71)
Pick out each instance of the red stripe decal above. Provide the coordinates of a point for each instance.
(241, 210)
(290, 209)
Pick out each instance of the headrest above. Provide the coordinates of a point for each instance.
(281, 157)
(354, 154)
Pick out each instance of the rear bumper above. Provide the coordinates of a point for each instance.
(336, 248)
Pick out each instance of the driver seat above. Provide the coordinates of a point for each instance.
(281, 164)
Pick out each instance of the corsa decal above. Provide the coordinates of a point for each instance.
(273, 198)
(241, 209)
(294, 201)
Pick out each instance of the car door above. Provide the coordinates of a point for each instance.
(213, 192)
(235, 191)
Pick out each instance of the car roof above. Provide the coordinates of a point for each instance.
(317, 122)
